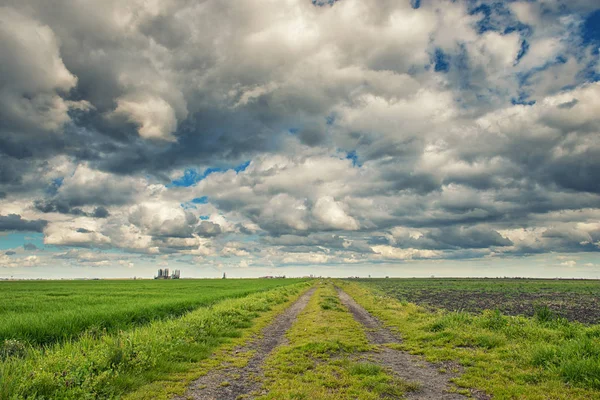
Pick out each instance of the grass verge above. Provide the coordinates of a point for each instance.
(326, 357)
(508, 357)
(109, 366)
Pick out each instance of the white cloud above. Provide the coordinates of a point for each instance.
(154, 116)
(333, 215)
(360, 149)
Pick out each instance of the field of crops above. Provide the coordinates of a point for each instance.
(575, 300)
(44, 312)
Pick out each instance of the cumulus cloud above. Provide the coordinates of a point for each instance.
(353, 131)
(34, 77)
(154, 116)
(9, 261)
(332, 214)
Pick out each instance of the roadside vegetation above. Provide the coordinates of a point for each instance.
(540, 357)
(328, 357)
(46, 312)
(109, 365)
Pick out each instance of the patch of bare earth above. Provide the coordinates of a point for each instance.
(231, 382)
(433, 384)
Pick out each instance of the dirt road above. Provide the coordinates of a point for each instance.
(230, 383)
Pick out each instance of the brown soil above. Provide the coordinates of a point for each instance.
(572, 306)
(433, 384)
(231, 383)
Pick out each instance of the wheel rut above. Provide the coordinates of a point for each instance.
(433, 385)
(230, 382)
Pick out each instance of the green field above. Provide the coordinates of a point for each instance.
(108, 364)
(151, 339)
(44, 312)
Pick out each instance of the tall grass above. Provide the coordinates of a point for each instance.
(42, 313)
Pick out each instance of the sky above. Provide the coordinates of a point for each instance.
(298, 137)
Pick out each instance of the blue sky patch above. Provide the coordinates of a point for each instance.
(591, 29)
(351, 155)
(522, 51)
(441, 61)
(522, 100)
(241, 167)
(191, 176)
(53, 187)
(321, 3)
(18, 239)
(200, 200)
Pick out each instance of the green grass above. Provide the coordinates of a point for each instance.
(45, 312)
(112, 365)
(509, 357)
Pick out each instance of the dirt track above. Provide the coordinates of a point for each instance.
(231, 382)
(433, 384)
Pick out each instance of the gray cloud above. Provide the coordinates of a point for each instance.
(30, 246)
(208, 229)
(432, 134)
(64, 207)
(14, 222)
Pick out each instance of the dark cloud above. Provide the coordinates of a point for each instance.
(10, 253)
(64, 207)
(47, 206)
(208, 229)
(101, 212)
(14, 222)
(568, 104)
(469, 238)
(9, 171)
(30, 246)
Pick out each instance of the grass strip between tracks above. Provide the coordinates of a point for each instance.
(166, 351)
(327, 357)
(508, 357)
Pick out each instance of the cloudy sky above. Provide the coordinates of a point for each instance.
(253, 137)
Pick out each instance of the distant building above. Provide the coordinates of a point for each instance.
(164, 274)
